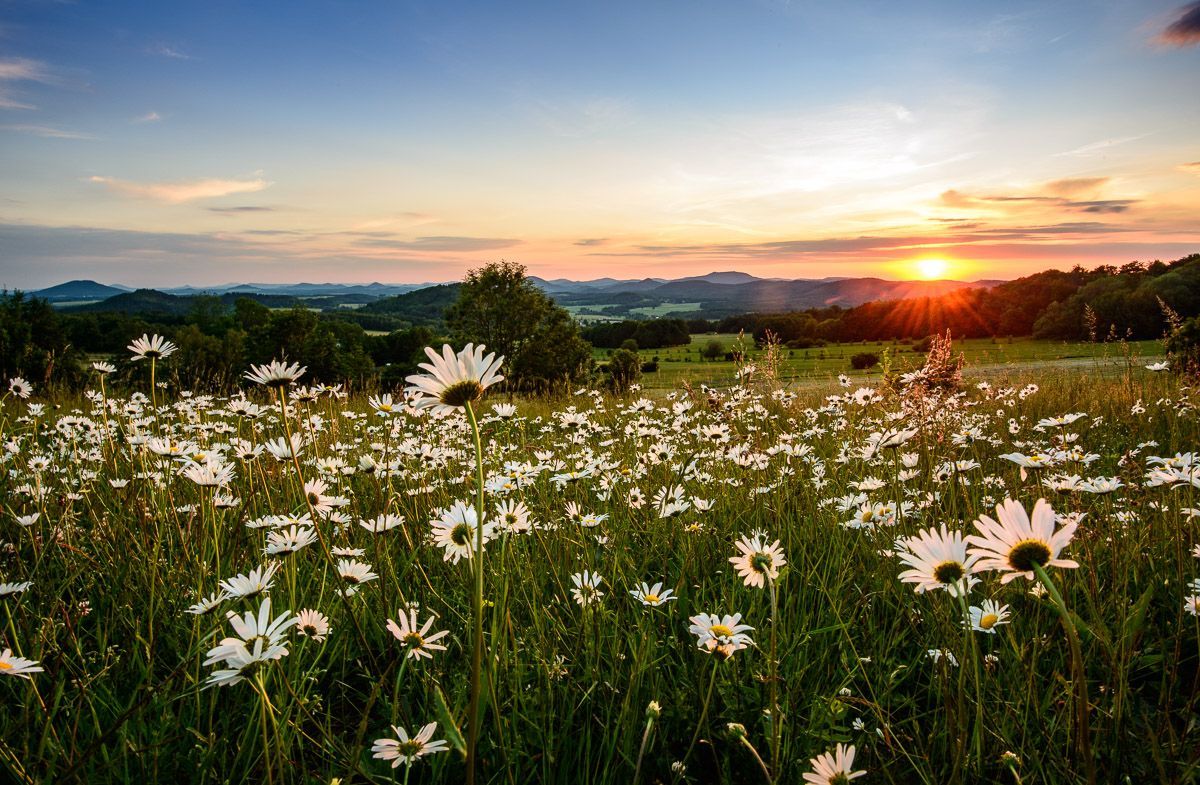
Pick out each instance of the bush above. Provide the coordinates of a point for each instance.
(864, 360)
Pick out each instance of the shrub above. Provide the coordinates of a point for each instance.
(864, 360)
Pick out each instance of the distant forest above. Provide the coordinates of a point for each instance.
(381, 340)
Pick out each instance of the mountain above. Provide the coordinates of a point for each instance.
(78, 290)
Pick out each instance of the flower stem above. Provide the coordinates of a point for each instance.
(637, 770)
(1081, 697)
(476, 604)
(973, 652)
(703, 711)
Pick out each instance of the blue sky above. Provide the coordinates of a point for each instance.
(168, 143)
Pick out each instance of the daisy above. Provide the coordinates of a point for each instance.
(505, 411)
(384, 404)
(653, 596)
(1015, 543)
(455, 531)
(154, 347)
(103, 368)
(833, 768)
(244, 661)
(207, 604)
(714, 631)
(986, 617)
(452, 381)
(417, 639)
(939, 560)
(7, 589)
(406, 750)
(275, 373)
(284, 449)
(258, 581)
(381, 523)
(312, 624)
(587, 587)
(513, 517)
(19, 387)
(757, 561)
(355, 572)
(11, 665)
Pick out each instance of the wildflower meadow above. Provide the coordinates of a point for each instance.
(925, 580)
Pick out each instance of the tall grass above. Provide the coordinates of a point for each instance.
(123, 697)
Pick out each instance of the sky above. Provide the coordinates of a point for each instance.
(161, 144)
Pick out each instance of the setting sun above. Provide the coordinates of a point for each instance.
(931, 269)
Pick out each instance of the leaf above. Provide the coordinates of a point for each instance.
(446, 717)
(1137, 618)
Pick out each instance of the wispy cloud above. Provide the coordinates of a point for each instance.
(240, 209)
(20, 69)
(1093, 149)
(169, 50)
(179, 192)
(45, 131)
(1191, 168)
(148, 117)
(1184, 30)
(591, 241)
(440, 243)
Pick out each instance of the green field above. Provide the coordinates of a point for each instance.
(816, 366)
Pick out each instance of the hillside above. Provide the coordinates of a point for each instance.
(78, 290)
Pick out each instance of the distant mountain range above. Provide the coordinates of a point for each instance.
(714, 295)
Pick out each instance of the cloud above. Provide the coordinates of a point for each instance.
(1185, 30)
(440, 243)
(246, 208)
(1054, 194)
(166, 50)
(1094, 149)
(46, 132)
(592, 241)
(21, 69)
(148, 117)
(1191, 168)
(1075, 185)
(177, 193)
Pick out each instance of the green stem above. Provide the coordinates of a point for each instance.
(973, 652)
(1083, 732)
(776, 719)
(703, 711)
(476, 603)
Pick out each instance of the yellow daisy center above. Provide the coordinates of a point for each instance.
(988, 620)
(720, 631)
(5, 666)
(462, 393)
(948, 572)
(651, 598)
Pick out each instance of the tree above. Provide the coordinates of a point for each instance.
(624, 368)
(500, 307)
(713, 350)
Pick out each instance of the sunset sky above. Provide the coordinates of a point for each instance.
(210, 142)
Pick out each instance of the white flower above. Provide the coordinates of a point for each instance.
(833, 768)
(587, 587)
(1015, 543)
(417, 639)
(453, 380)
(405, 749)
(154, 347)
(11, 665)
(275, 373)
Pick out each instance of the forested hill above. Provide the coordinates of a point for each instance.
(1104, 302)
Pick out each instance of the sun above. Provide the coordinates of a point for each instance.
(932, 268)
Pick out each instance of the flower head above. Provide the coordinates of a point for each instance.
(939, 560)
(1015, 543)
(417, 639)
(757, 561)
(406, 750)
(451, 381)
(275, 373)
(833, 768)
(154, 347)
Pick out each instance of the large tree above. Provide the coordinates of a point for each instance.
(500, 307)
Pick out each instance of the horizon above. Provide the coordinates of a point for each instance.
(207, 146)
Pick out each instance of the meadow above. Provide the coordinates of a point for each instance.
(819, 367)
(284, 585)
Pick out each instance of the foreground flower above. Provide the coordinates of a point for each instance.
(451, 381)
(11, 665)
(312, 624)
(418, 641)
(454, 530)
(833, 768)
(19, 387)
(939, 560)
(757, 561)
(988, 616)
(153, 347)
(587, 587)
(275, 373)
(653, 596)
(1014, 544)
(720, 634)
(405, 749)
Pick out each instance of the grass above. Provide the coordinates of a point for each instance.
(114, 566)
(820, 366)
